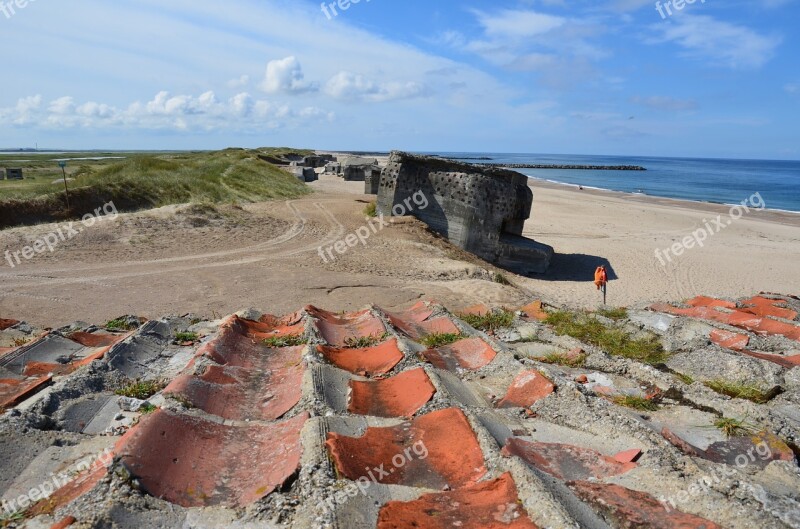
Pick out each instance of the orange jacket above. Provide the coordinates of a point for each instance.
(600, 277)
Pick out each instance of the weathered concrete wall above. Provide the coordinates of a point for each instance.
(481, 210)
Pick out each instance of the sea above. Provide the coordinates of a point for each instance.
(717, 181)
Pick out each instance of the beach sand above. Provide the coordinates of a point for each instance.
(267, 255)
(759, 252)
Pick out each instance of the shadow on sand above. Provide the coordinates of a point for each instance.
(575, 267)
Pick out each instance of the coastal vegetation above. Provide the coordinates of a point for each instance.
(140, 181)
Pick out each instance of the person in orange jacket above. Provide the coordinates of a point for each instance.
(600, 277)
(601, 280)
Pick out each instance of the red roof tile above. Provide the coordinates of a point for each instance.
(5, 324)
(371, 361)
(789, 362)
(635, 510)
(232, 348)
(339, 329)
(762, 306)
(528, 388)
(566, 461)
(489, 505)
(628, 456)
(269, 326)
(748, 447)
(64, 523)
(193, 462)
(240, 394)
(400, 396)
(447, 452)
(13, 391)
(703, 301)
(535, 311)
(471, 354)
(97, 340)
(730, 340)
(743, 320)
(476, 310)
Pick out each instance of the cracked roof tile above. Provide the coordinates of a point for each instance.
(369, 361)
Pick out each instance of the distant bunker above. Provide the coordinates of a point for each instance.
(482, 210)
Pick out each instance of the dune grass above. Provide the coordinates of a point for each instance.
(142, 181)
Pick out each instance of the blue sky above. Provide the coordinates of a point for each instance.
(713, 79)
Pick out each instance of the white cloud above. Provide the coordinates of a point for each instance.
(286, 76)
(517, 23)
(792, 88)
(703, 37)
(180, 112)
(354, 87)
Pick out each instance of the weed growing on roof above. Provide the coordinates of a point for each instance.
(491, 321)
(362, 342)
(186, 337)
(732, 427)
(738, 391)
(371, 210)
(686, 379)
(292, 340)
(501, 279)
(148, 409)
(440, 339)
(120, 324)
(19, 342)
(636, 403)
(141, 389)
(565, 360)
(613, 340)
(617, 314)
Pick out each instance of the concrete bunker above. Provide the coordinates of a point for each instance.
(482, 210)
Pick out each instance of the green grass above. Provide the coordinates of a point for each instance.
(491, 321)
(560, 359)
(738, 391)
(186, 337)
(147, 409)
(10, 519)
(501, 279)
(732, 427)
(440, 339)
(686, 379)
(371, 210)
(144, 181)
(140, 389)
(617, 314)
(636, 403)
(362, 342)
(292, 340)
(120, 324)
(613, 340)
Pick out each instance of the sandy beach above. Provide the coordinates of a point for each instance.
(266, 255)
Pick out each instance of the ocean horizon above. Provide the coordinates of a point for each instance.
(716, 181)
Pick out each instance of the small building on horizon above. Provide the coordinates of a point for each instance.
(13, 174)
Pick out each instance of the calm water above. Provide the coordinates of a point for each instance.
(704, 180)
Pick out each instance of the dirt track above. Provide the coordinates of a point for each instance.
(178, 260)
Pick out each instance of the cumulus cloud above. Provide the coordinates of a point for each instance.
(181, 112)
(349, 86)
(706, 38)
(285, 76)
